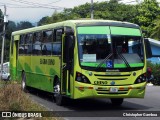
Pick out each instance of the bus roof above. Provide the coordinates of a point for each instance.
(73, 23)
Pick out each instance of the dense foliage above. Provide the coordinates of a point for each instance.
(145, 14)
(155, 71)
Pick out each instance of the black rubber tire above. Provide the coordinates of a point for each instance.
(59, 99)
(117, 101)
(23, 82)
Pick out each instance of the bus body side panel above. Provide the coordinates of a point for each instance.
(20, 66)
(41, 72)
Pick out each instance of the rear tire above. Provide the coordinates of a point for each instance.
(59, 99)
(117, 101)
(23, 83)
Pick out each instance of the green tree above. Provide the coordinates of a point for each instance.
(143, 14)
(147, 13)
(43, 21)
(23, 25)
(156, 29)
(113, 10)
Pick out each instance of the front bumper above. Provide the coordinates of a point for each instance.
(94, 91)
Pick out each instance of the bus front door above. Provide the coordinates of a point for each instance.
(67, 64)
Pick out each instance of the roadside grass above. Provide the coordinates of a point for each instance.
(12, 98)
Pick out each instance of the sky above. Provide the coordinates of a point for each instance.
(22, 10)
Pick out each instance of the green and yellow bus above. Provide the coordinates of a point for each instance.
(82, 59)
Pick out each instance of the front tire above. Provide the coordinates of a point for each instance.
(23, 83)
(59, 99)
(117, 101)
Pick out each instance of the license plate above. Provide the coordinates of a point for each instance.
(113, 90)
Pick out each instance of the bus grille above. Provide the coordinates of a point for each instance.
(112, 77)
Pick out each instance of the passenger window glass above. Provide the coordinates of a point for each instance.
(22, 40)
(56, 48)
(57, 42)
(21, 44)
(47, 42)
(47, 48)
(37, 38)
(28, 44)
(59, 35)
(28, 38)
(47, 36)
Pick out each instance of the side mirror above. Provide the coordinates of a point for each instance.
(148, 48)
(68, 46)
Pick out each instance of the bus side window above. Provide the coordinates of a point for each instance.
(21, 44)
(57, 42)
(29, 43)
(58, 36)
(56, 48)
(37, 39)
(25, 44)
(47, 42)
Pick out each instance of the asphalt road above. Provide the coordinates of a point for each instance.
(102, 109)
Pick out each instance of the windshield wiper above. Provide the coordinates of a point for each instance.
(105, 59)
(108, 56)
(124, 59)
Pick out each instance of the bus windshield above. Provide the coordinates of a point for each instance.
(110, 47)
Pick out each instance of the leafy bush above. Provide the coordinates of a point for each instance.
(155, 71)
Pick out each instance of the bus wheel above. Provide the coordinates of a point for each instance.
(23, 83)
(117, 101)
(59, 99)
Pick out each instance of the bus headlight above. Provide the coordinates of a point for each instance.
(82, 78)
(141, 79)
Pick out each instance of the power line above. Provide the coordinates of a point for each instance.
(36, 4)
(3, 3)
(11, 5)
(33, 7)
(54, 2)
